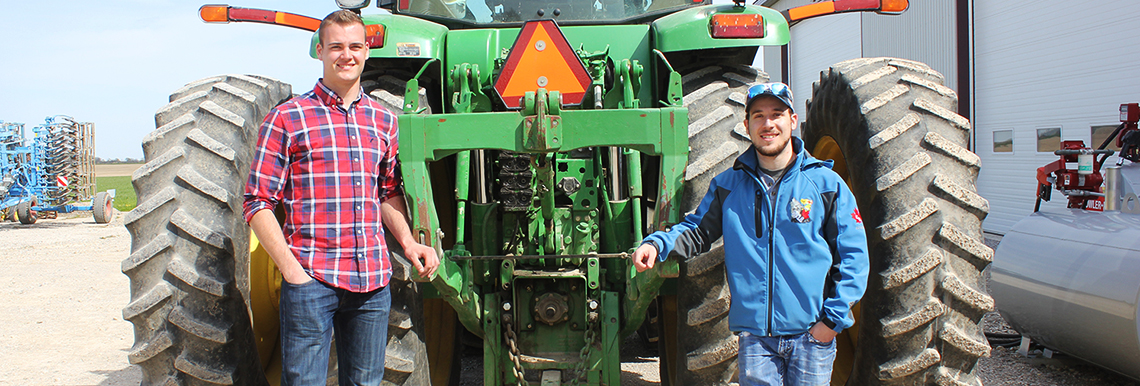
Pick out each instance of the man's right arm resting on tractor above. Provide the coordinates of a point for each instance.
(692, 236)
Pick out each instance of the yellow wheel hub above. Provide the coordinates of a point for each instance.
(264, 300)
(826, 149)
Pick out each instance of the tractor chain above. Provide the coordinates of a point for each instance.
(513, 350)
(590, 338)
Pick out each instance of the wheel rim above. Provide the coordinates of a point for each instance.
(828, 149)
(264, 300)
(846, 342)
(441, 322)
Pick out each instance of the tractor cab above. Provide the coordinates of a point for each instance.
(506, 12)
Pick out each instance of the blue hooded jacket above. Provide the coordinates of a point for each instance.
(791, 262)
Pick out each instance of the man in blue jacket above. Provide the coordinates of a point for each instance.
(795, 249)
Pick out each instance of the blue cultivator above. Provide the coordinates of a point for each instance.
(51, 173)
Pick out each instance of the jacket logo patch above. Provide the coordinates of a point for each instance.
(801, 210)
(855, 215)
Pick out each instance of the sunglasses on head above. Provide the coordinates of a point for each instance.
(779, 90)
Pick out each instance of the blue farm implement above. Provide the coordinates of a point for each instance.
(51, 172)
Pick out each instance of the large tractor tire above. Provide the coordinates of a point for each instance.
(698, 348)
(422, 341)
(189, 262)
(191, 265)
(892, 129)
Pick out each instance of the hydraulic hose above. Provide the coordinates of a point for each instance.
(1108, 141)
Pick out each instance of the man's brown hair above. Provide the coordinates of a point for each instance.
(342, 18)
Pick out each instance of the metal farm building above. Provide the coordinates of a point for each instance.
(1027, 74)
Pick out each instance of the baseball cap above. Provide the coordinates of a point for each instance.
(775, 89)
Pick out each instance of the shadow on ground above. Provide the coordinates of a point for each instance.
(638, 358)
(130, 375)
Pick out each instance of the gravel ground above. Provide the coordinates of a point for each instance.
(63, 293)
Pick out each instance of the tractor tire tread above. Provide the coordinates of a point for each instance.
(406, 361)
(189, 242)
(909, 199)
(147, 301)
(714, 95)
(143, 351)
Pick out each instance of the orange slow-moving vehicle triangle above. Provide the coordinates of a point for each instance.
(542, 54)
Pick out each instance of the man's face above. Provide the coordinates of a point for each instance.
(770, 125)
(343, 51)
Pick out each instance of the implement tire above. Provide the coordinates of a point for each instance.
(891, 126)
(698, 348)
(25, 213)
(189, 262)
(101, 208)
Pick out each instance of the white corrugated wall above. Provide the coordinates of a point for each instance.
(1047, 63)
(926, 32)
(816, 45)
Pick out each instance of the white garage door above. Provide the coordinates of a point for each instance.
(1049, 67)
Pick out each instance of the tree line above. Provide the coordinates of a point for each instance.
(128, 160)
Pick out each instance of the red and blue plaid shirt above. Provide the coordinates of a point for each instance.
(331, 168)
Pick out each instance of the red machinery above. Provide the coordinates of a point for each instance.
(1069, 279)
(1083, 185)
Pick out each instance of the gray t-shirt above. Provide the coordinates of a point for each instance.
(770, 179)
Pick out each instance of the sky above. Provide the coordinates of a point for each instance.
(115, 62)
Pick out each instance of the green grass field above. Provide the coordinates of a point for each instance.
(125, 198)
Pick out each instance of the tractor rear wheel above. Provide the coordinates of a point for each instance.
(25, 213)
(698, 348)
(194, 281)
(189, 262)
(422, 340)
(892, 129)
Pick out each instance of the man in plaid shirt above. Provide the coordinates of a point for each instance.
(330, 157)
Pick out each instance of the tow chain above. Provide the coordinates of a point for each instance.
(513, 350)
(589, 338)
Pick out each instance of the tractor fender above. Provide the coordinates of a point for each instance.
(689, 29)
(404, 38)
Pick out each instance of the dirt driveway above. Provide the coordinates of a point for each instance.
(62, 296)
(62, 292)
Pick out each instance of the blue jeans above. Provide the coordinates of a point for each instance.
(312, 312)
(785, 360)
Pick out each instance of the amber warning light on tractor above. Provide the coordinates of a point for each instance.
(890, 7)
(374, 35)
(542, 58)
(739, 25)
(226, 14)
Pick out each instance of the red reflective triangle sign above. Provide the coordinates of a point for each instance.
(542, 58)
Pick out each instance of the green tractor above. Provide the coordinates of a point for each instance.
(540, 142)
